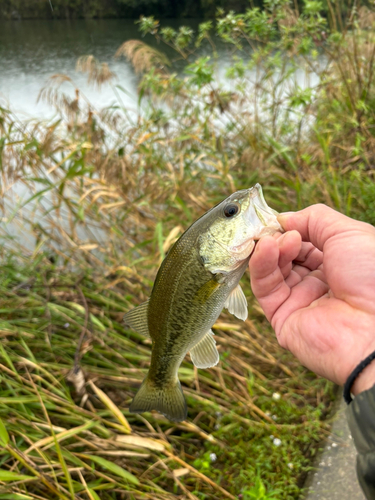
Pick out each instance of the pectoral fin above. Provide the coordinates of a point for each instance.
(205, 291)
(236, 303)
(137, 319)
(204, 354)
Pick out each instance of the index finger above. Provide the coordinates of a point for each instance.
(319, 223)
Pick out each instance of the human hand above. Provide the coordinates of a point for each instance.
(316, 285)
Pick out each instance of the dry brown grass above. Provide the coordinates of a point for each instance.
(143, 57)
(98, 73)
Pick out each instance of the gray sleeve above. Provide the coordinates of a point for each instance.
(361, 418)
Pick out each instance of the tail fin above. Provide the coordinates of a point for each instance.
(169, 400)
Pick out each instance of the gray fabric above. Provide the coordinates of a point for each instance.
(361, 418)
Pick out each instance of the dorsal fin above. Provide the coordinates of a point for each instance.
(137, 319)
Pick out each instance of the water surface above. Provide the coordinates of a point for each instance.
(33, 50)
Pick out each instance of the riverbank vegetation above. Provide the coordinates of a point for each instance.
(91, 202)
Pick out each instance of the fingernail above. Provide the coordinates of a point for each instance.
(282, 218)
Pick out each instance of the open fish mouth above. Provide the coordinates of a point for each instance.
(259, 215)
(260, 219)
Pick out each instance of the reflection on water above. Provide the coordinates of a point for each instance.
(32, 51)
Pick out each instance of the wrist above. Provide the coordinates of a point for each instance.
(365, 380)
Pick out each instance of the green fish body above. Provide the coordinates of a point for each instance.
(197, 279)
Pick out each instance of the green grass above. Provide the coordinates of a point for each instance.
(60, 443)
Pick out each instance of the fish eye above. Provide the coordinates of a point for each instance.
(231, 210)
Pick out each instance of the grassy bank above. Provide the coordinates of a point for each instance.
(71, 435)
(91, 203)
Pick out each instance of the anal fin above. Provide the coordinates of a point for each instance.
(137, 319)
(204, 354)
(236, 303)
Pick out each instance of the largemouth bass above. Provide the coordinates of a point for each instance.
(198, 278)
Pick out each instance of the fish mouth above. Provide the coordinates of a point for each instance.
(259, 215)
(261, 221)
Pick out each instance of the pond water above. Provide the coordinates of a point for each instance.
(32, 51)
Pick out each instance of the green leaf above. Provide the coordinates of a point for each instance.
(36, 195)
(6, 475)
(72, 458)
(32, 144)
(18, 400)
(115, 469)
(4, 436)
(64, 467)
(184, 207)
(201, 71)
(81, 213)
(93, 493)
(160, 238)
